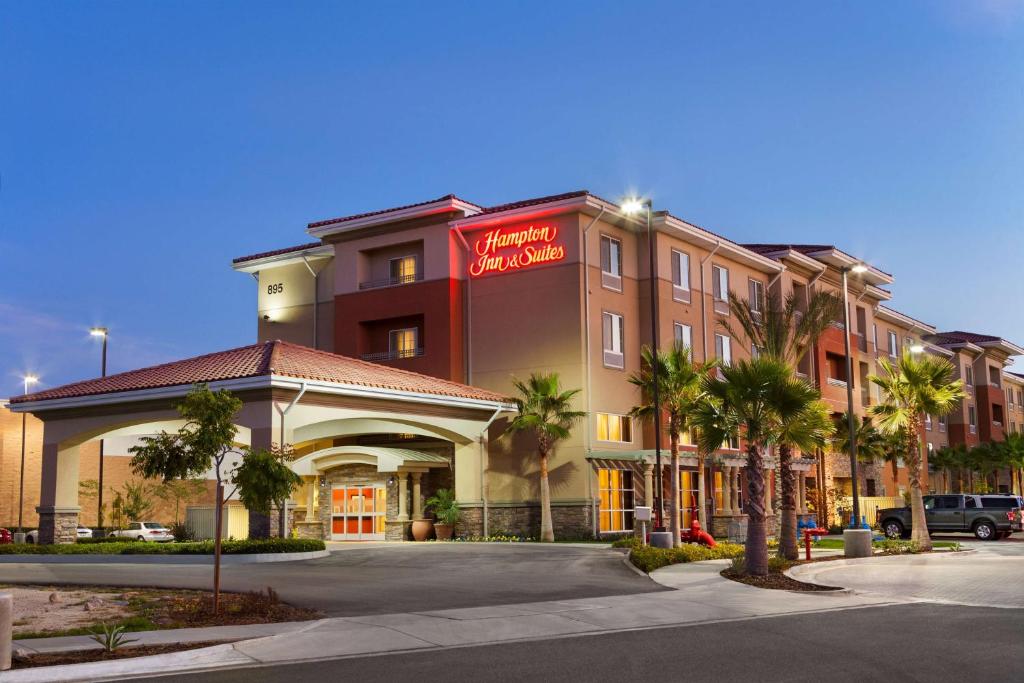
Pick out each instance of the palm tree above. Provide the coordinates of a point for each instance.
(545, 410)
(986, 459)
(784, 332)
(915, 385)
(679, 392)
(943, 460)
(871, 443)
(752, 398)
(807, 429)
(1014, 447)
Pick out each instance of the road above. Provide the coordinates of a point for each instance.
(364, 580)
(924, 642)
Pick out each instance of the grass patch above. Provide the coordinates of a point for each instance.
(244, 547)
(136, 622)
(837, 544)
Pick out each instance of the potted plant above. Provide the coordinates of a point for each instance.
(421, 529)
(446, 512)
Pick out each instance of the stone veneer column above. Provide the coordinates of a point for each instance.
(417, 496)
(801, 493)
(648, 485)
(311, 500)
(726, 490)
(403, 497)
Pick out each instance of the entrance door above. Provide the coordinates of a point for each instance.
(357, 512)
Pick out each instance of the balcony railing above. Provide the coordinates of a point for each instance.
(392, 355)
(391, 281)
(832, 381)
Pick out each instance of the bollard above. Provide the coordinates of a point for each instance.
(6, 624)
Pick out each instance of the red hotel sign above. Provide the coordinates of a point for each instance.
(500, 250)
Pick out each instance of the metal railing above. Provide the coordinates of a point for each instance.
(391, 281)
(392, 355)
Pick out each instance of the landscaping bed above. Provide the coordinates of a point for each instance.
(47, 611)
(648, 559)
(244, 547)
(776, 579)
(85, 656)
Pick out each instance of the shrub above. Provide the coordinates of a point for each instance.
(894, 546)
(125, 547)
(106, 539)
(648, 559)
(183, 532)
(627, 542)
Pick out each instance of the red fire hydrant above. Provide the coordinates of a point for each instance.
(807, 538)
(695, 534)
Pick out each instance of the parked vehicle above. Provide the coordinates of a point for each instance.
(6, 537)
(84, 532)
(32, 536)
(145, 531)
(988, 517)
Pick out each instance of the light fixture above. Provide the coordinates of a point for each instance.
(859, 268)
(29, 380)
(634, 205)
(98, 332)
(916, 348)
(266, 318)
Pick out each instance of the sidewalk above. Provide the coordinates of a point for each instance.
(699, 595)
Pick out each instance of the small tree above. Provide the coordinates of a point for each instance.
(137, 500)
(180, 490)
(546, 411)
(206, 440)
(265, 480)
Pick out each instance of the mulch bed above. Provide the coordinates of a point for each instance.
(194, 610)
(83, 656)
(776, 580)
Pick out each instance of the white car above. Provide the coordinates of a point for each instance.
(83, 532)
(145, 531)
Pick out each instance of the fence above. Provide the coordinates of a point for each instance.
(869, 506)
(201, 520)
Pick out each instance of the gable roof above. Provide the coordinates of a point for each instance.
(277, 252)
(271, 358)
(368, 214)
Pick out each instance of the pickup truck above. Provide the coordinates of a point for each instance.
(988, 517)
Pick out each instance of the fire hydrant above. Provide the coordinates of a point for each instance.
(695, 534)
(807, 538)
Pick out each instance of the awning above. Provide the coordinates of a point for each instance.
(385, 459)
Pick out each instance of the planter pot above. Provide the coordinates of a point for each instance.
(444, 531)
(421, 529)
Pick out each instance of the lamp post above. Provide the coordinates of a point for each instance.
(28, 380)
(634, 206)
(851, 419)
(101, 332)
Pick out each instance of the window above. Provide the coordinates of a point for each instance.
(612, 333)
(942, 422)
(947, 502)
(969, 502)
(931, 448)
(1009, 396)
(1000, 502)
(1020, 397)
(680, 276)
(403, 269)
(611, 427)
(835, 364)
(720, 283)
(894, 343)
(756, 294)
(972, 419)
(616, 495)
(874, 336)
(928, 422)
(723, 349)
(683, 334)
(402, 343)
(755, 351)
(969, 376)
(611, 263)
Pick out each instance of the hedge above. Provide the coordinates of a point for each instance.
(244, 547)
(648, 559)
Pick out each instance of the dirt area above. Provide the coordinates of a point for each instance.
(82, 656)
(45, 611)
(775, 580)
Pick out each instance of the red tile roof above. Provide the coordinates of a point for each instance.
(273, 357)
(533, 202)
(343, 219)
(276, 252)
(957, 336)
(805, 249)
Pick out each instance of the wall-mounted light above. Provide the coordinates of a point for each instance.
(916, 348)
(267, 318)
(859, 268)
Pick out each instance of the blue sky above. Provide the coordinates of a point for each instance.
(143, 145)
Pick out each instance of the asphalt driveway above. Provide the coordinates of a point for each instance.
(383, 579)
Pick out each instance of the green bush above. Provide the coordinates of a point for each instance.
(105, 539)
(627, 542)
(244, 547)
(893, 546)
(648, 559)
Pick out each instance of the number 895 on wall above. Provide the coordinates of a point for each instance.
(276, 288)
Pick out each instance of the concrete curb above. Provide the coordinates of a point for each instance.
(797, 573)
(254, 558)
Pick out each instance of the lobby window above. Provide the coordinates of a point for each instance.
(611, 263)
(723, 349)
(756, 294)
(404, 269)
(894, 344)
(720, 288)
(683, 335)
(972, 419)
(680, 276)
(403, 343)
(616, 494)
(612, 332)
(611, 427)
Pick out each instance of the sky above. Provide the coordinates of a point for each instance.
(144, 145)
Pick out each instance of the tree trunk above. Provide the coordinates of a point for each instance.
(787, 526)
(673, 506)
(895, 474)
(547, 532)
(756, 550)
(218, 522)
(918, 524)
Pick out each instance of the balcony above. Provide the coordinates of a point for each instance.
(392, 355)
(391, 281)
(833, 382)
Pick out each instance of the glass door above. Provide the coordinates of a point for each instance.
(357, 512)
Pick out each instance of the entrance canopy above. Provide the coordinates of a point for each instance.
(385, 459)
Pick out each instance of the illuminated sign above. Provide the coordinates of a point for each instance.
(500, 250)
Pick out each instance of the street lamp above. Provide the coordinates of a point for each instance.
(27, 380)
(917, 348)
(851, 419)
(104, 333)
(632, 207)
